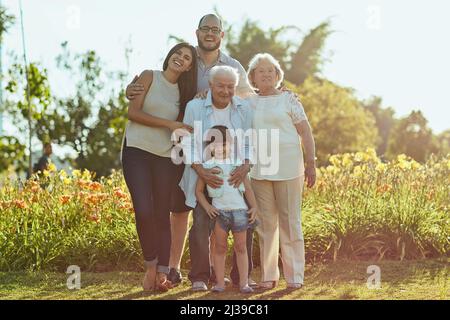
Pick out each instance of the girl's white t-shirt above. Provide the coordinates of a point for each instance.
(232, 198)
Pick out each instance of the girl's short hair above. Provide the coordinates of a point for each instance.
(218, 133)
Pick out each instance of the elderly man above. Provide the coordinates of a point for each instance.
(209, 36)
(221, 107)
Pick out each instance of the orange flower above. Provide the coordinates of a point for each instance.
(20, 204)
(120, 194)
(64, 199)
(35, 198)
(94, 217)
(5, 204)
(92, 199)
(82, 194)
(95, 186)
(126, 207)
(384, 188)
(83, 183)
(102, 196)
(34, 186)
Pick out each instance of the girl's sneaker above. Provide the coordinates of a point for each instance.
(217, 289)
(246, 289)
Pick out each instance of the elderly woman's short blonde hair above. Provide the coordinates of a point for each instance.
(254, 62)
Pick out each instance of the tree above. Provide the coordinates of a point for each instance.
(78, 111)
(11, 150)
(308, 60)
(298, 61)
(252, 40)
(384, 119)
(40, 98)
(92, 127)
(6, 21)
(443, 141)
(16, 106)
(12, 153)
(412, 137)
(339, 122)
(104, 140)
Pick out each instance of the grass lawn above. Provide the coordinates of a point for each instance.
(425, 279)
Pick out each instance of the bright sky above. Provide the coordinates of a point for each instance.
(398, 50)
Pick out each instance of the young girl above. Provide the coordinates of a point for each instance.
(229, 207)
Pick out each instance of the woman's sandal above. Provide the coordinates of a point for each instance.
(267, 285)
(162, 284)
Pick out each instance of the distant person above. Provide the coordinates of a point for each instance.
(43, 162)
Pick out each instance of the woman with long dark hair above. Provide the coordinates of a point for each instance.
(146, 155)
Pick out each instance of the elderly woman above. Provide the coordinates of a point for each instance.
(278, 183)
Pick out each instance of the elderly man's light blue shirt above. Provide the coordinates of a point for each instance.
(241, 117)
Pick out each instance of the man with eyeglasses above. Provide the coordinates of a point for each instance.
(209, 37)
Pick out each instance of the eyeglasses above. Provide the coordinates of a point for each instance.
(206, 29)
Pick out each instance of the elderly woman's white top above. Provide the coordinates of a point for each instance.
(278, 154)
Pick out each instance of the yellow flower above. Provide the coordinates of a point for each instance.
(334, 160)
(347, 161)
(67, 181)
(415, 165)
(381, 167)
(358, 171)
(333, 170)
(51, 167)
(62, 174)
(87, 175)
(404, 165)
(359, 156)
(46, 173)
(371, 153)
(76, 173)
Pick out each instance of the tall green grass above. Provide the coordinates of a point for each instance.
(360, 209)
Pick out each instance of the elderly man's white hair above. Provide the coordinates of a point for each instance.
(253, 64)
(224, 71)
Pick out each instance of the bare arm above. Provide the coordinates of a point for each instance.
(251, 199)
(199, 194)
(207, 175)
(305, 132)
(134, 89)
(136, 114)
